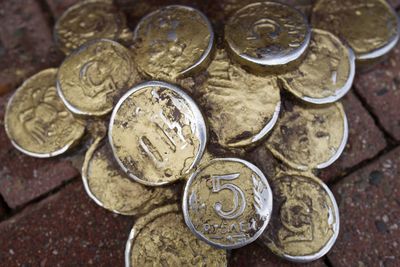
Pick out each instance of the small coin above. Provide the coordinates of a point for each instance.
(92, 77)
(157, 133)
(172, 41)
(305, 221)
(327, 72)
(268, 33)
(161, 238)
(370, 27)
(227, 203)
(241, 107)
(308, 137)
(36, 120)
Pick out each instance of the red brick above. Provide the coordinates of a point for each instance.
(58, 7)
(369, 203)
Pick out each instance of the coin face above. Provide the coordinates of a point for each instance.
(37, 122)
(327, 72)
(172, 41)
(308, 137)
(241, 107)
(161, 238)
(92, 77)
(267, 33)
(370, 27)
(305, 220)
(227, 203)
(157, 133)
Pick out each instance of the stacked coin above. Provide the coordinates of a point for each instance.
(183, 106)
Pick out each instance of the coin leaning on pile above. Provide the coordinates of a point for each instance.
(173, 92)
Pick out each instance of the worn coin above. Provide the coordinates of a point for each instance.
(92, 77)
(161, 238)
(37, 122)
(157, 133)
(227, 202)
(327, 72)
(305, 220)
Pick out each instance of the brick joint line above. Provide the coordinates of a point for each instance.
(44, 6)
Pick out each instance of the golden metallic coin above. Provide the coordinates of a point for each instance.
(308, 137)
(241, 107)
(157, 133)
(172, 41)
(327, 72)
(267, 33)
(370, 27)
(227, 203)
(161, 238)
(36, 120)
(305, 221)
(92, 77)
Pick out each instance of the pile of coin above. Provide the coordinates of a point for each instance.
(172, 109)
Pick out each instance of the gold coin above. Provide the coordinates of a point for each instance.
(308, 137)
(112, 189)
(241, 107)
(370, 27)
(172, 41)
(36, 120)
(161, 238)
(157, 133)
(92, 77)
(227, 203)
(305, 220)
(327, 72)
(267, 33)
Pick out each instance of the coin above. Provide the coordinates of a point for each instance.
(36, 120)
(92, 77)
(327, 72)
(157, 133)
(308, 137)
(370, 27)
(305, 221)
(267, 33)
(227, 203)
(161, 238)
(172, 41)
(241, 107)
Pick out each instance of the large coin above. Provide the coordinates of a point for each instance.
(161, 238)
(36, 120)
(227, 202)
(157, 133)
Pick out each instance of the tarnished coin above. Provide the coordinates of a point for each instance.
(161, 238)
(90, 79)
(157, 133)
(305, 221)
(308, 137)
(37, 122)
(327, 72)
(267, 33)
(227, 202)
(241, 107)
(370, 27)
(172, 41)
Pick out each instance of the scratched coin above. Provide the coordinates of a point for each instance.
(327, 72)
(227, 203)
(92, 77)
(370, 27)
(308, 137)
(161, 238)
(305, 220)
(37, 122)
(267, 33)
(172, 41)
(157, 133)
(241, 107)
